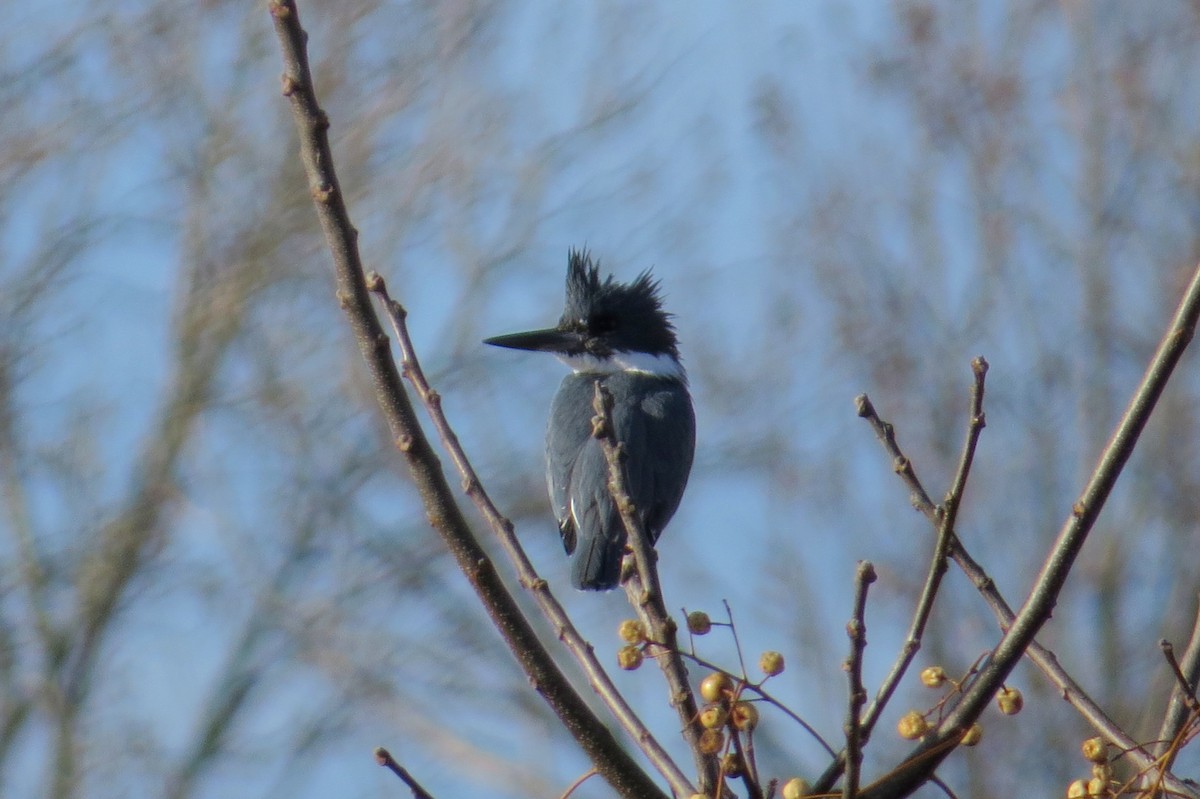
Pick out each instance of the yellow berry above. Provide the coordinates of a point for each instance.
(972, 735)
(632, 631)
(1102, 771)
(796, 788)
(1077, 790)
(731, 764)
(713, 716)
(1009, 701)
(711, 741)
(1095, 750)
(1097, 786)
(912, 726)
(629, 657)
(745, 716)
(698, 622)
(933, 677)
(771, 663)
(715, 686)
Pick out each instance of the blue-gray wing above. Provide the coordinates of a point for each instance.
(567, 434)
(654, 420)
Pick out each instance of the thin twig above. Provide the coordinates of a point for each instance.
(901, 465)
(945, 517)
(1182, 705)
(749, 772)
(384, 758)
(856, 629)
(1040, 603)
(613, 762)
(547, 603)
(1042, 657)
(582, 779)
(737, 644)
(645, 593)
(758, 691)
(1182, 682)
(936, 780)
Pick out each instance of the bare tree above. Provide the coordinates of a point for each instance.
(954, 718)
(219, 577)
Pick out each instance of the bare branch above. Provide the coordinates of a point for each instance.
(502, 528)
(645, 594)
(1182, 705)
(945, 517)
(1042, 657)
(1038, 606)
(384, 758)
(856, 629)
(611, 760)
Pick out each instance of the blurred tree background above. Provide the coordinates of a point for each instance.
(216, 579)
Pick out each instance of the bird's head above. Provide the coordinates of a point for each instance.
(606, 326)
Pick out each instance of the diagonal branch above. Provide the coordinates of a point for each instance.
(611, 760)
(926, 757)
(945, 518)
(502, 528)
(1046, 660)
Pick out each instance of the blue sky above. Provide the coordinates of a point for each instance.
(831, 209)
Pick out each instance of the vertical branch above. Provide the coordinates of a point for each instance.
(856, 629)
(1182, 703)
(645, 593)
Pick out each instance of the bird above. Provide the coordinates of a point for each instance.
(616, 334)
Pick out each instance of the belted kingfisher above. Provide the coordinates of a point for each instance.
(617, 334)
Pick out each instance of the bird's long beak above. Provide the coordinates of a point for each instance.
(549, 340)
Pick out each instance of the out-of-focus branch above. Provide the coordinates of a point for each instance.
(645, 594)
(212, 314)
(554, 613)
(926, 757)
(16, 502)
(611, 760)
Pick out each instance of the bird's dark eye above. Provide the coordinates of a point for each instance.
(602, 323)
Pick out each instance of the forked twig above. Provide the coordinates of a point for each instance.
(945, 517)
(1019, 637)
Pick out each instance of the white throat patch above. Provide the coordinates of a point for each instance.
(641, 362)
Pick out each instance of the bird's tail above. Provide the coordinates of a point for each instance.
(597, 564)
